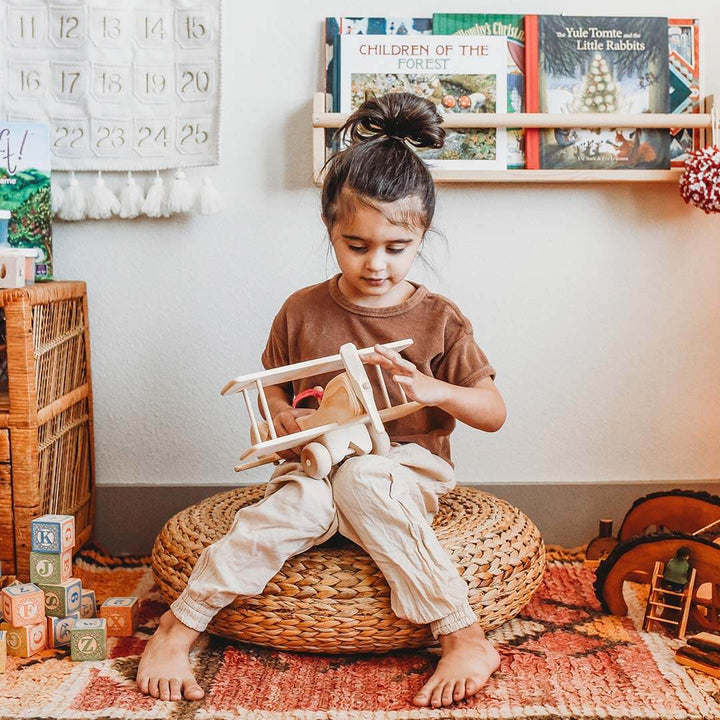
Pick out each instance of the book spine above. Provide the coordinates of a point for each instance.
(532, 102)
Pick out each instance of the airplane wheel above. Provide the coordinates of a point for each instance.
(316, 460)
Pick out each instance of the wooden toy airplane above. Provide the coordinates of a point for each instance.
(347, 421)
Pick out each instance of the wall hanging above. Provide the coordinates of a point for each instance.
(124, 87)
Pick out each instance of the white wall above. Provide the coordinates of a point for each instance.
(599, 305)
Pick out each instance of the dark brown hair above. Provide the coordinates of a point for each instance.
(379, 166)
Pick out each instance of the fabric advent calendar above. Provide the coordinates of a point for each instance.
(131, 85)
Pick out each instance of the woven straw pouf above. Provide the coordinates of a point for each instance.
(333, 598)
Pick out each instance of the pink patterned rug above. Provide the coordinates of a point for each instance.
(562, 659)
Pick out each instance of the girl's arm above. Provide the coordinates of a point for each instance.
(284, 415)
(481, 406)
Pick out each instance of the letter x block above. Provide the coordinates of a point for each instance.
(62, 599)
(88, 604)
(88, 639)
(53, 533)
(23, 604)
(121, 615)
(50, 568)
(58, 630)
(26, 640)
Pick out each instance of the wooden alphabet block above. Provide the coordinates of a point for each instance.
(50, 568)
(53, 533)
(121, 615)
(58, 630)
(62, 599)
(23, 604)
(26, 640)
(3, 650)
(88, 604)
(88, 639)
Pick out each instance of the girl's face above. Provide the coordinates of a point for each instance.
(375, 254)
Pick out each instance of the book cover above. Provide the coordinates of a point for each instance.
(337, 26)
(512, 27)
(684, 50)
(604, 65)
(25, 189)
(459, 74)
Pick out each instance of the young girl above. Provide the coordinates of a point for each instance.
(378, 202)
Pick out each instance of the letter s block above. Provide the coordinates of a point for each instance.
(121, 615)
(53, 533)
(62, 599)
(23, 604)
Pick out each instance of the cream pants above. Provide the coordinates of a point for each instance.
(384, 504)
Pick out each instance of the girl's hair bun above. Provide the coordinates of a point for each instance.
(401, 116)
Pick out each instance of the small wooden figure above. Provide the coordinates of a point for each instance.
(62, 599)
(53, 533)
(88, 639)
(121, 615)
(23, 604)
(3, 650)
(50, 568)
(88, 604)
(26, 640)
(666, 604)
(58, 630)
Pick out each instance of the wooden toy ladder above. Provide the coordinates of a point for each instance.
(657, 603)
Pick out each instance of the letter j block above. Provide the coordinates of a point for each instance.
(53, 533)
(50, 568)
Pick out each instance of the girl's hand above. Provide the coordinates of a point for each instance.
(417, 386)
(285, 424)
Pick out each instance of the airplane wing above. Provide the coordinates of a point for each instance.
(318, 366)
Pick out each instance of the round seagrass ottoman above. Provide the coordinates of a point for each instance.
(333, 599)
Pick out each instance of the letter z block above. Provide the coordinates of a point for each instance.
(88, 604)
(23, 604)
(62, 599)
(50, 568)
(88, 639)
(26, 640)
(53, 533)
(121, 615)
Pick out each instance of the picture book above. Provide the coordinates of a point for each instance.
(597, 65)
(684, 49)
(459, 74)
(25, 189)
(337, 26)
(512, 27)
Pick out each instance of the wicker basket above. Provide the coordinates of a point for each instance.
(46, 416)
(334, 599)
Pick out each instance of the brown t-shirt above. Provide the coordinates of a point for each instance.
(317, 320)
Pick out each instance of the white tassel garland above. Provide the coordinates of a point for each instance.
(210, 199)
(155, 203)
(74, 204)
(181, 196)
(57, 196)
(131, 198)
(102, 202)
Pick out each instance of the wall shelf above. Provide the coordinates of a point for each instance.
(322, 120)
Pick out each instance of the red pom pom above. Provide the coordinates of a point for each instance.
(700, 181)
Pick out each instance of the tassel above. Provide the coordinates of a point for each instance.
(102, 202)
(210, 199)
(181, 196)
(57, 196)
(73, 207)
(154, 205)
(131, 198)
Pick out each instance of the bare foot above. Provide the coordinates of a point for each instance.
(468, 660)
(164, 669)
